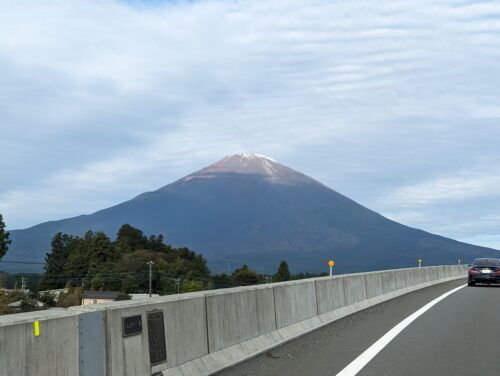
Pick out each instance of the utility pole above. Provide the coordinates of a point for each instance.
(23, 284)
(178, 284)
(150, 263)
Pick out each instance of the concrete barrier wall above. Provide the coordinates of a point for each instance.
(204, 332)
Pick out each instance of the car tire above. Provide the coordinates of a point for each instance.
(471, 284)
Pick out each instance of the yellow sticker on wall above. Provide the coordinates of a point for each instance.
(36, 328)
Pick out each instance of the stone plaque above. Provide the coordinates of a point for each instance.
(131, 325)
(156, 338)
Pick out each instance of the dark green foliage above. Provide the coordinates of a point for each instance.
(129, 283)
(55, 261)
(308, 275)
(102, 253)
(244, 276)
(95, 262)
(221, 281)
(48, 298)
(97, 283)
(283, 274)
(191, 286)
(123, 297)
(71, 298)
(130, 238)
(27, 302)
(4, 238)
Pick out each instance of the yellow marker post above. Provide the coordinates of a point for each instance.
(419, 263)
(36, 328)
(330, 264)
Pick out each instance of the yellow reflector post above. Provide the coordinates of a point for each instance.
(36, 328)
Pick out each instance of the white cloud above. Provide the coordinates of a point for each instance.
(460, 187)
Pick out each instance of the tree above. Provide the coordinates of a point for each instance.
(4, 238)
(130, 238)
(101, 251)
(191, 286)
(244, 276)
(48, 298)
(221, 281)
(283, 274)
(97, 282)
(27, 303)
(71, 298)
(123, 297)
(55, 261)
(129, 284)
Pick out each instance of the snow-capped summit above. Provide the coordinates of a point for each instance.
(252, 156)
(251, 164)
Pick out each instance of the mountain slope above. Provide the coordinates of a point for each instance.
(250, 209)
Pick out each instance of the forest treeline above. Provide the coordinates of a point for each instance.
(97, 262)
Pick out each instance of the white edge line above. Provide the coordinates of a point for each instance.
(362, 360)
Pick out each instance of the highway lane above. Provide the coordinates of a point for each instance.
(460, 336)
(453, 337)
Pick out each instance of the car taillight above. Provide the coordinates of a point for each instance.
(473, 271)
(497, 271)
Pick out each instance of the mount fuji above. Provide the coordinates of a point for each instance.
(248, 208)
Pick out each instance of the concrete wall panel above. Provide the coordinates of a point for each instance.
(186, 330)
(373, 283)
(388, 282)
(294, 302)
(240, 315)
(418, 276)
(354, 288)
(329, 294)
(54, 352)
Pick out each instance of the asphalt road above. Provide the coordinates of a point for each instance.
(458, 336)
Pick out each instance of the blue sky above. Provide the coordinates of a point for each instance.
(395, 104)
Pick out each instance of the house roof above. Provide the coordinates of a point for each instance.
(100, 294)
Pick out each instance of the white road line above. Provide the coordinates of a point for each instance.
(357, 364)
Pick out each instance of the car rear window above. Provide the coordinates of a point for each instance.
(487, 263)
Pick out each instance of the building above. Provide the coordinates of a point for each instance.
(97, 297)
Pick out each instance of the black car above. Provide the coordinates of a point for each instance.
(484, 270)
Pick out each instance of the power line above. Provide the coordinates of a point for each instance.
(23, 262)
